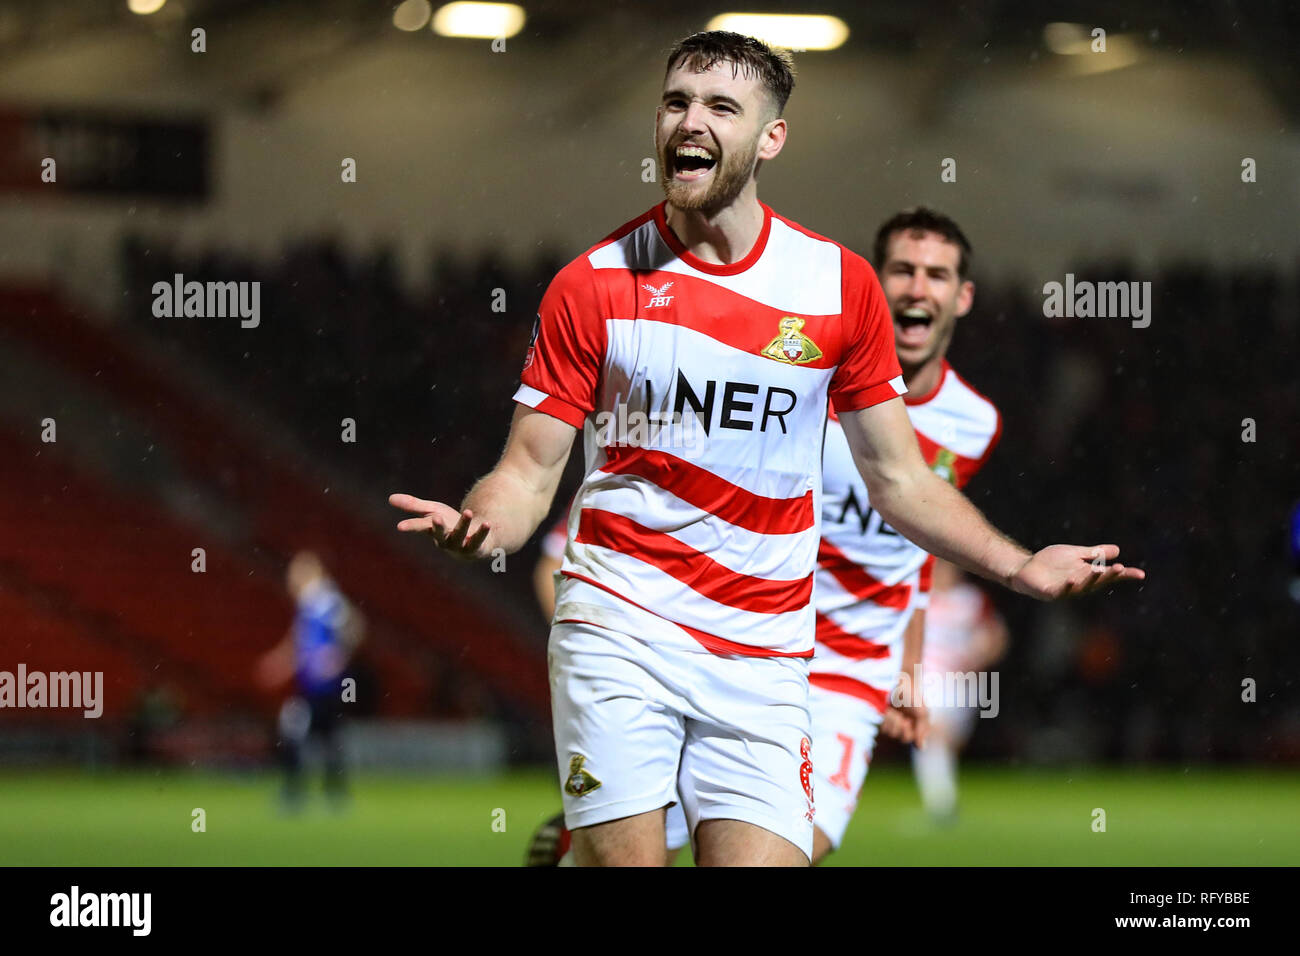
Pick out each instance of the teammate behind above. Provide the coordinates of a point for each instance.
(871, 581)
(963, 634)
(315, 653)
(684, 617)
(548, 566)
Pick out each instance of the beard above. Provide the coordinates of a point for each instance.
(729, 177)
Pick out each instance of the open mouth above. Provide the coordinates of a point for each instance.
(691, 162)
(913, 326)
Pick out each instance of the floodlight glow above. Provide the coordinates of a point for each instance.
(485, 21)
(412, 15)
(1074, 40)
(1066, 39)
(791, 31)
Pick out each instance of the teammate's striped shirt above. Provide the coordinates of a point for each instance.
(870, 577)
(555, 540)
(706, 530)
(951, 621)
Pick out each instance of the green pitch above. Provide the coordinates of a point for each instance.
(1008, 817)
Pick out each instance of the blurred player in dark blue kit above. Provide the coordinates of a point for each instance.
(326, 632)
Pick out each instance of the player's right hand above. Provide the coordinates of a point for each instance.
(454, 531)
(1066, 570)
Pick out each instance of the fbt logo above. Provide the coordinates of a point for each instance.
(658, 295)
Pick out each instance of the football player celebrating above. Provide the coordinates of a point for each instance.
(684, 618)
(871, 581)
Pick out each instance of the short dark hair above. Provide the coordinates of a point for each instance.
(773, 67)
(921, 219)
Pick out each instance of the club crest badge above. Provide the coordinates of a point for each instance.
(579, 782)
(791, 345)
(945, 465)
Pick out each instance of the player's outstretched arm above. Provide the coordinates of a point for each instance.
(505, 506)
(940, 519)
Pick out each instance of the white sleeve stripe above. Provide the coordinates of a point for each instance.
(899, 387)
(530, 396)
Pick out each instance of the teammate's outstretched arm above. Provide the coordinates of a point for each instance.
(939, 518)
(506, 505)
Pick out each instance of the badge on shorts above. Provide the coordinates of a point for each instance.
(579, 782)
(805, 775)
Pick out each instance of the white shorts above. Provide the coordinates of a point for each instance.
(844, 737)
(638, 723)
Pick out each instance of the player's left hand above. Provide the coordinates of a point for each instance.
(910, 725)
(1067, 570)
(907, 719)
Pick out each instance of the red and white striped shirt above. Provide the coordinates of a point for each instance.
(953, 618)
(707, 529)
(870, 577)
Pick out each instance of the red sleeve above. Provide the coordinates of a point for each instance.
(969, 467)
(868, 372)
(966, 474)
(564, 360)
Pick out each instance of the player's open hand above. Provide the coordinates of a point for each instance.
(454, 531)
(1065, 570)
